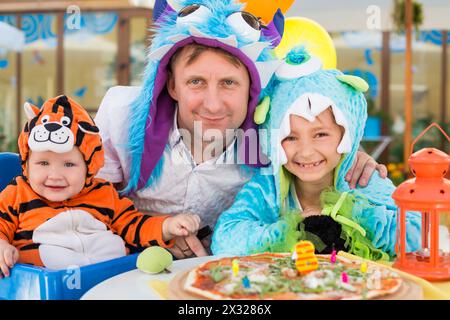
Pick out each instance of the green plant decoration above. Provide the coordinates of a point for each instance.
(399, 16)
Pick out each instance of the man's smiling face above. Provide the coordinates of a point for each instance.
(210, 89)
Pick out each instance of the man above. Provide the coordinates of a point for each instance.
(206, 70)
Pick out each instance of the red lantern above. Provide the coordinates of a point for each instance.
(429, 194)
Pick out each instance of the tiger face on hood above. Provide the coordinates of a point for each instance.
(58, 126)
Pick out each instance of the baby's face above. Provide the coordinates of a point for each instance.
(311, 147)
(57, 176)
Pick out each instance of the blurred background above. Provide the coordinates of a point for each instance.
(50, 47)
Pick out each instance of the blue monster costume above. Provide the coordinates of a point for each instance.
(214, 23)
(264, 216)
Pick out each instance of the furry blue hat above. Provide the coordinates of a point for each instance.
(215, 23)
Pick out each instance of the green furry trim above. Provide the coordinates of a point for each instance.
(358, 244)
(293, 233)
(285, 182)
(338, 168)
(290, 237)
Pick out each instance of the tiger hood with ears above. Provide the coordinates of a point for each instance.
(58, 126)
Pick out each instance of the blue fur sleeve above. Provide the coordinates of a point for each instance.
(379, 216)
(252, 224)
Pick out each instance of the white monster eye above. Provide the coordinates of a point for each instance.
(45, 119)
(65, 121)
(246, 25)
(193, 14)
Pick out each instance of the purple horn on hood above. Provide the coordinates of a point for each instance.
(160, 9)
(275, 28)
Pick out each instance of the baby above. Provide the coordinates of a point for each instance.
(57, 214)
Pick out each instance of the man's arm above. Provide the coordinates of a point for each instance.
(362, 169)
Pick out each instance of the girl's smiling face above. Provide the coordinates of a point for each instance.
(311, 147)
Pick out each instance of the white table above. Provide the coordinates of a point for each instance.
(134, 285)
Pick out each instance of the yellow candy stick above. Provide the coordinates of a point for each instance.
(364, 267)
(235, 267)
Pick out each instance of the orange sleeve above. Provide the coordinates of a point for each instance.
(9, 215)
(136, 228)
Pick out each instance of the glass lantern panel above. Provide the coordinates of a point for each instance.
(444, 233)
(397, 235)
(423, 254)
(411, 248)
(441, 225)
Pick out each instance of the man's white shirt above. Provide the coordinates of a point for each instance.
(206, 189)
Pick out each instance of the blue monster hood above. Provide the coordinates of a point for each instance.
(214, 23)
(302, 87)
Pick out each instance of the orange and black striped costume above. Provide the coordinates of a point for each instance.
(95, 225)
(22, 211)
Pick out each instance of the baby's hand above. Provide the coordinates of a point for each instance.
(180, 225)
(8, 257)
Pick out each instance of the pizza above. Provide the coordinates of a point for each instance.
(276, 276)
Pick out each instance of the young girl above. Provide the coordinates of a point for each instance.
(315, 125)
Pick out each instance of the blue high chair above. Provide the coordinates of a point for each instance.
(27, 282)
(9, 168)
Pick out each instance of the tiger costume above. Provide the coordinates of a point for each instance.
(93, 226)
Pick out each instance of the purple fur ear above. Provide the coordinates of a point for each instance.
(275, 29)
(160, 9)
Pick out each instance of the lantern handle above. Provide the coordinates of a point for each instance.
(434, 124)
